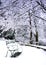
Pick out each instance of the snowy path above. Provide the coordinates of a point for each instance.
(29, 56)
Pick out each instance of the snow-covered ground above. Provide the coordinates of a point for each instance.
(29, 56)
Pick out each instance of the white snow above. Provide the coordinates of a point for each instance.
(3, 49)
(29, 56)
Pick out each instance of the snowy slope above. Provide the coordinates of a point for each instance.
(29, 56)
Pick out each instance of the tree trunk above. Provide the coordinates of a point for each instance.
(31, 37)
(36, 37)
(30, 27)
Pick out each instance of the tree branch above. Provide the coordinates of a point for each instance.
(41, 4)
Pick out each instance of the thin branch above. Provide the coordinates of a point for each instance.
(26, 11)
(40, 17)
(41, 4)
(32, 14)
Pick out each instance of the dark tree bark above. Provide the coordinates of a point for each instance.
(0, 2)
(36, 36)
(30, 27)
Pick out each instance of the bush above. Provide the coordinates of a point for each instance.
(9, 34)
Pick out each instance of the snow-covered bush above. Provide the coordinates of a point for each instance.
(9, 34)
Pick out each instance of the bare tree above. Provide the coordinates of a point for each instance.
(30, 26)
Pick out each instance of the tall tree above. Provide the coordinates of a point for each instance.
(30, 26)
